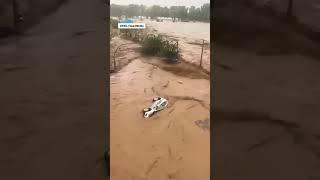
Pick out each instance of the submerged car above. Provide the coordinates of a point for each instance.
(158, 104)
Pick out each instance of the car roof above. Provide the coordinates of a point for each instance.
(158, 102)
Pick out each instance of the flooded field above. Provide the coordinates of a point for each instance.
(190, 36)
(192, 31)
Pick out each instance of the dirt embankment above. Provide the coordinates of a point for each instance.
(172, 144)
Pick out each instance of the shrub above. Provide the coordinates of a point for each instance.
(151, 45)
(169, 49)
(125, 32)
(137, 35)
(156, 45)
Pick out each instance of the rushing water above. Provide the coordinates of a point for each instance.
(193, 31)
(190, 36)
(163, 146)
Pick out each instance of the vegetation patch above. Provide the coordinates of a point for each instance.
(168, 49)
(181, 13)
(131, 34)
(114, 23)
(151, 45)
(157, 45)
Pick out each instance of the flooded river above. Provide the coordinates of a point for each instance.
(175, 142)
(192, 31)
(190, 36)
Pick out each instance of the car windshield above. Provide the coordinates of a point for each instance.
(155, 104)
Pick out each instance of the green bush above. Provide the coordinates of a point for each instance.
(130, 34)
(156, 45)
(151, 45)
(125, 32)
(136, 36)
(169, 49)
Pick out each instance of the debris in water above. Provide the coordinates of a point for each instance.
(171, 110)
(192, 106)
(166, 85)
(203, 124)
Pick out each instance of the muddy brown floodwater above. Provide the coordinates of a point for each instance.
(190, 36)
(173, 143)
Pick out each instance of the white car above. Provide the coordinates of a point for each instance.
(158, 104)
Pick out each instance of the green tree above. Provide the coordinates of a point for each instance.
(205, 12)
(116, 10)
(142, 10)
(192, 13)
(154, 11)
(165, 12)
(132, 10)
(181, 12)
(173, 12)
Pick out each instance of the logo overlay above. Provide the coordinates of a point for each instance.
(131, 24)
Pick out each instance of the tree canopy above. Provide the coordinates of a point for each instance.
(182, 12)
